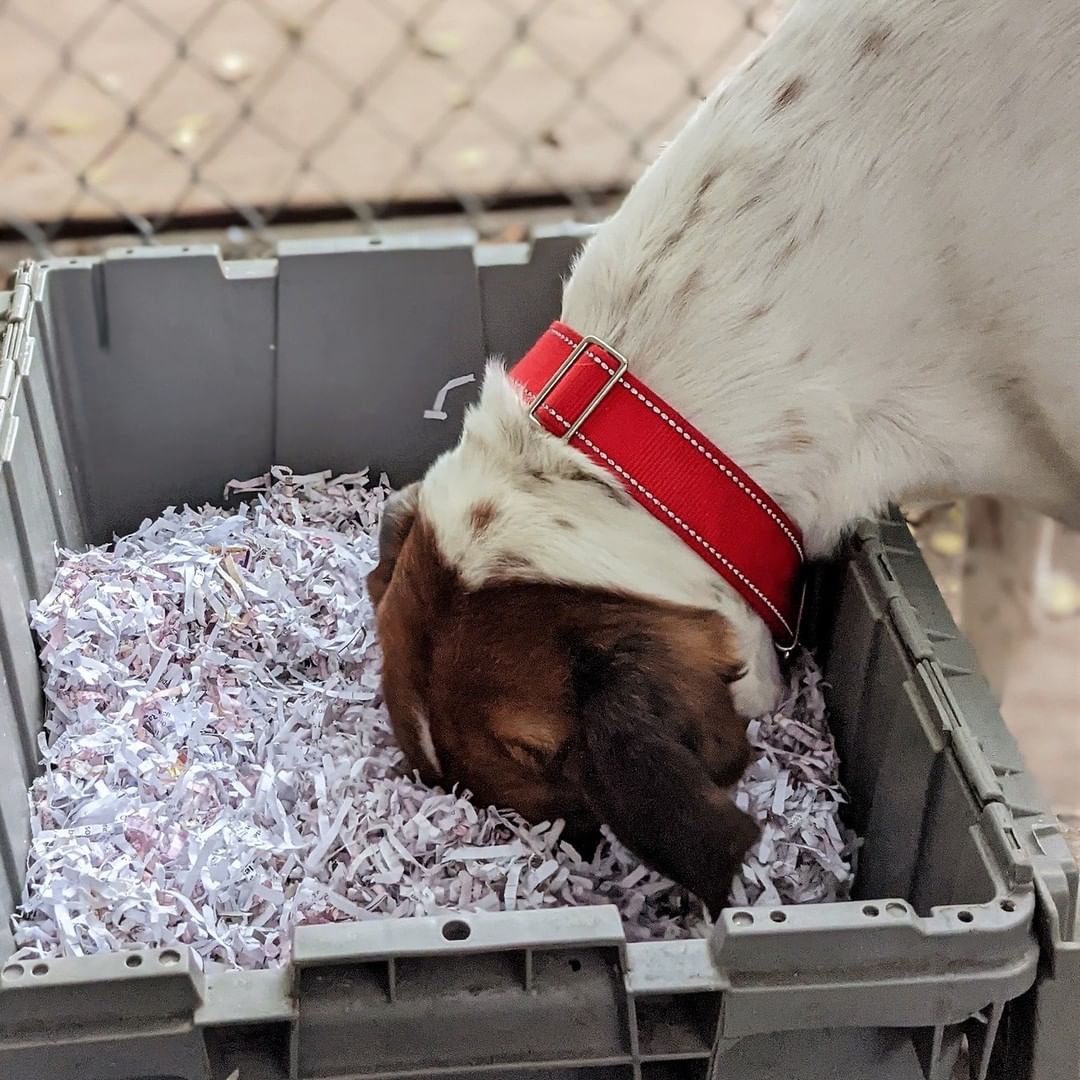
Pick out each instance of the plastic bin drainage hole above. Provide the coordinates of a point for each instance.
(14, 971)
(871, 911)
(1007, 905)
(456, 930)
(40, 969)
(778, 916)
(73, 262)
(575, 965)
(965, 916)
(742, 918)
(169, 956)
(375, 242)
(896, 909)
(130, 251)
(134, 960)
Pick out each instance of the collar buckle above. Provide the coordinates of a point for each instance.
(564, 367)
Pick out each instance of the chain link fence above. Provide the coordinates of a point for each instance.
(243, 118)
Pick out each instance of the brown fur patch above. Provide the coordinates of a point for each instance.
(689, 288)
(420, 593)
(567, 702)
(636, 291)
(697, 205)
(789, 93)
(873, 44)
(398, 515)
(796, 435)
(750, 203)
(610, 491)
(508, 560)
(672, 241)
(784, 255)
(694, 215)
(707, 182)
(482, 515)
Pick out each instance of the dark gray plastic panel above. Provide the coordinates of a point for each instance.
(36, 408)
(330, 356)
(164, 372)
(369, 333)
(521, 285)
(37, 513)
(20, 717)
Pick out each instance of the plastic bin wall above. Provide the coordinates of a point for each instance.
(153, 376)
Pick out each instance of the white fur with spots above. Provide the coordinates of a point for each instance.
(856, 269)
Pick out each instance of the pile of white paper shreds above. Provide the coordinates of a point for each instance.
(219, 767)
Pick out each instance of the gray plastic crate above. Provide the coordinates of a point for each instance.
(153, 376)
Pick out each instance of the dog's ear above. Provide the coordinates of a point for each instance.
(644, 775)
(398, 515)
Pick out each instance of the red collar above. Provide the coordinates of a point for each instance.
(670, 468)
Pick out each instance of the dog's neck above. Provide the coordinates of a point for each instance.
(747, 341)
(827, 449)
(831, 273)
(775, 277)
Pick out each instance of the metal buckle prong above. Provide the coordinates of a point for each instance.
(564, 367)
(786, 650)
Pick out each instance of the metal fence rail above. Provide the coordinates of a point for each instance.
(142, 116)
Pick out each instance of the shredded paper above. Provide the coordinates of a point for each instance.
(218, 767)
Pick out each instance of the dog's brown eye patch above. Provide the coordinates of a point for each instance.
(529, 755)
(549, 761)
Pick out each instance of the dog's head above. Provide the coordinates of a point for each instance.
(520, 661)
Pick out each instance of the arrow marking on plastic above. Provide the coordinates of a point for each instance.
(436, 412)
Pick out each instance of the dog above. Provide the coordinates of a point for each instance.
(855, 274)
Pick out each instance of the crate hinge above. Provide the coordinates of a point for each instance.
(980, 775)
(16, 352)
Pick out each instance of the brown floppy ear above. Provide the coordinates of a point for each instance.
(398, 515)
(641, 776)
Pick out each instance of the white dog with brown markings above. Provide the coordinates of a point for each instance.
(856, 274)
